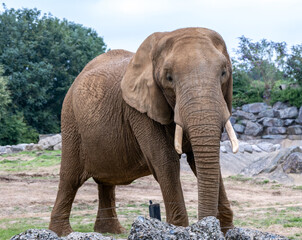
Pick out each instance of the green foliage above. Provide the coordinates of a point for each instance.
(245, 89)
(291, 95)
(14, 130)
(294, 64)
(41, 56)
(260, 68)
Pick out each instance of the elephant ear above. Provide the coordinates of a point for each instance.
(139, 89)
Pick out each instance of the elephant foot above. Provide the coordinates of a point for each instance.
(109, 226)
(225, 227)
(60, 229)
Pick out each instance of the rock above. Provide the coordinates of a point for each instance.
(150, 228)
(223, 149)
(29, 147)
(291, 112)
(41, 234)
(248, 138)
(232, 120)
(45, 234)
(48, 143)
(255, 107)
(267, 113)
(274, 136)
(256, 148)
(295, 137)
(270, 162)
(2, 150)
(239, 128)
(249, 234)
(224, 137)
(253, 129)
(288, 122)
(280, 105)
(248, 148)
(267, 147)
(277, 146)
(85, 236)
(271, 122)
(299, 118)
(294, 130)
(275, 130)
(245, 115)
(293, 164)
(57, 146)
(18, 148)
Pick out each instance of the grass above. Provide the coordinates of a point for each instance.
(15, 162)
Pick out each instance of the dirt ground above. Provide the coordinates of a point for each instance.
(256, 204)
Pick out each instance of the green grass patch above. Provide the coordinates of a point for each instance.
(297, 188)
(240, 178)
(16, 162)
(16, 226)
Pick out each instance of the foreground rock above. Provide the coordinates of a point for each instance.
(207, 228)
(249, 234)
(145, 229)
(44, 234)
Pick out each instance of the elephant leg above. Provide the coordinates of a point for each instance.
(225, 213)
(59, 222)
(171, 189)
(106, 220)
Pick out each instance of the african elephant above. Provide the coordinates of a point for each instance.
(120, 117)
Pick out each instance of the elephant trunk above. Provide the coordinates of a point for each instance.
(203, 118)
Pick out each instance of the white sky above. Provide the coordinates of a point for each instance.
(126, 23)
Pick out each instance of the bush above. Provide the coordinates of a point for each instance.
(14, 130)
(293, 96)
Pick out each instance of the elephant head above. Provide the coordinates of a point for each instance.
(185, 76)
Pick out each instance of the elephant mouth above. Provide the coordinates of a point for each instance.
(228, 127)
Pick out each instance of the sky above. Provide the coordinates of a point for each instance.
(124, 24)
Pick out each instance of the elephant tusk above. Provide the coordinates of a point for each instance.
(178, 139)
(232, 136)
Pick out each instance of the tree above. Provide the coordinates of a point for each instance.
(41, 56)
(13, 128)
(263, 61)
(294, 64)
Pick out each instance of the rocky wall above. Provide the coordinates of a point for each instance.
(261, 121)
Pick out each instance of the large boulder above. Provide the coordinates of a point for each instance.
(291, 112)
(270, 163)
(45, 234)
(245, 115)
(151, 228)
(255, 107)
(239, 128)
(299, 118)
(49, 142)
(41, 234)
(280, 105)
(266, 113)
(275, 130)
(250, 234)
(294, 130)
(266, 146)
(253, 129)
(293, 163)
(271, 122)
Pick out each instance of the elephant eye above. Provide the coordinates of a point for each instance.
(169, 77)
(223, 73)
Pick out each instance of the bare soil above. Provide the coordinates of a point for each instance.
(31, 194)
